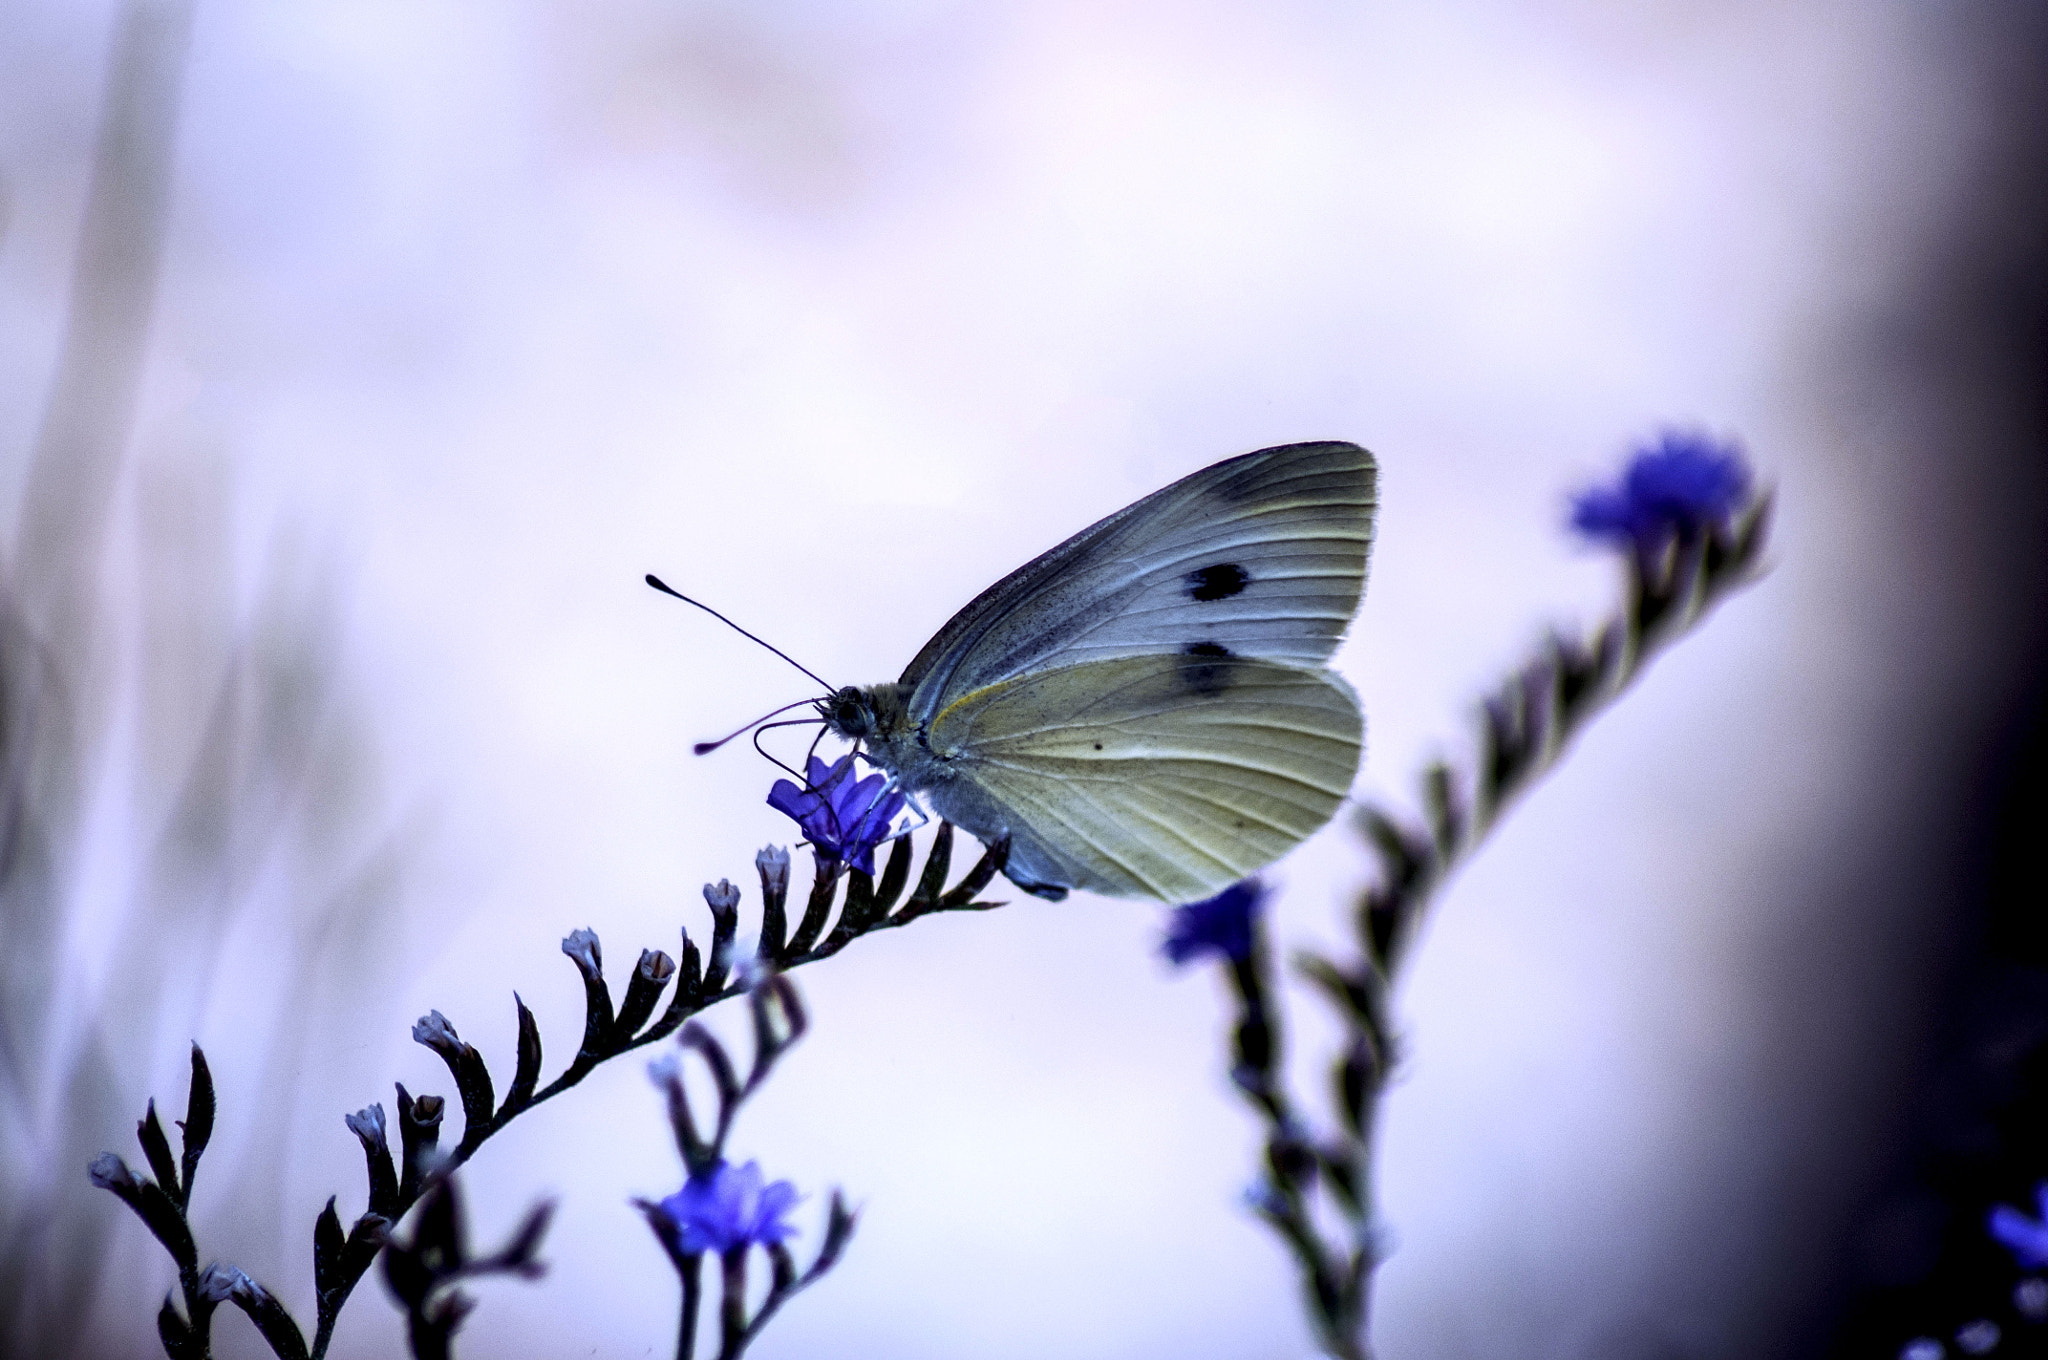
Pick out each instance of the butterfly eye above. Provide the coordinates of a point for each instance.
(850, 714)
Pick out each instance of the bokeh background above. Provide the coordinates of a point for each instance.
(357, 359)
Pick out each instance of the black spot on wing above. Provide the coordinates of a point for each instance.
(1205, 668)
(1219, 582)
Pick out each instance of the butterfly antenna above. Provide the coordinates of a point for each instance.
(798, 775)
(667, 589)
(705, 748)
(830, 811)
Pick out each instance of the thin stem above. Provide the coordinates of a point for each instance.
(732, 1303)
(198, 1313)
(692, 1271)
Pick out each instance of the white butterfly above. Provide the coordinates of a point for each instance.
(1144, 710)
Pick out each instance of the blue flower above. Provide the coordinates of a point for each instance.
(1216, 925)
(724, 1208)
(842, 819)
(2026, 1238)
(1680, 485)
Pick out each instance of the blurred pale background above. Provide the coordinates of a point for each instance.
(472, 313)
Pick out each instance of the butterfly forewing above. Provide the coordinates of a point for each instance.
(1168, 776)
(1259, 556)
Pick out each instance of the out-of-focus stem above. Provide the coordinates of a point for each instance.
(692, 1271)
(1528, 724)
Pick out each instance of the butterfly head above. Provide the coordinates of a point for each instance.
(867, 713)
(850, 713)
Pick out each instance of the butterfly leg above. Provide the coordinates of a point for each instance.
(924, 818)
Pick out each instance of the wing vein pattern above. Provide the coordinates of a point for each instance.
(1161, 776)
(1144, 710)
(1262, 555)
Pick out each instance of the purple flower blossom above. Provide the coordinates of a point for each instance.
(842, 819)
(2026, 1238)
(1679, 485)
(1216, 925)
(725, 1208)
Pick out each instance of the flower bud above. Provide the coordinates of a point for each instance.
(109, 1172)
(433, 1030)
(773, 862)
(368, 1125)
(582, 948)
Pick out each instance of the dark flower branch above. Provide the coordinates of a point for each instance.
(831, 920)
(1694, 536)
(161, 1204)
(423, 1273)
(730, 1210)
(1693, 532)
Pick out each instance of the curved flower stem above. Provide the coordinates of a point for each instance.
(609, 1032)
(863, 913)
(1526, 726)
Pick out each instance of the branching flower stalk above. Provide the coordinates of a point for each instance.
(1692, 533)
(831, 920)
(424, 1273)
(731, 1210)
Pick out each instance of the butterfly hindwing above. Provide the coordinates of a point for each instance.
(1259, 556)
(1168, 776)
